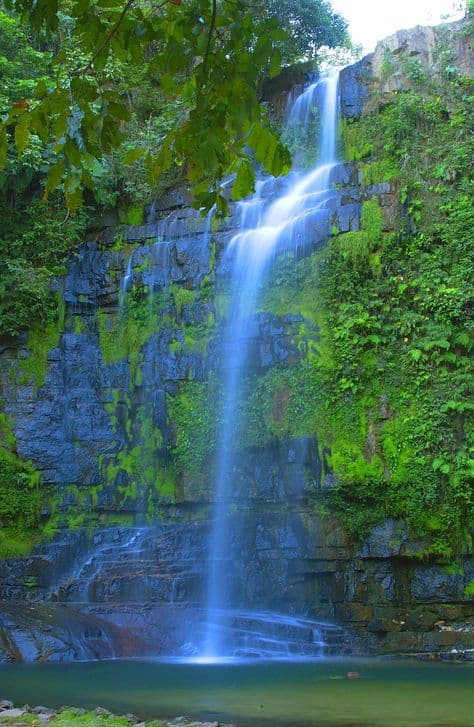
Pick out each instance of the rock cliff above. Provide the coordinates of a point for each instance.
(119, 416)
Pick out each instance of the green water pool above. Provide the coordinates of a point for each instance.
(389, 693)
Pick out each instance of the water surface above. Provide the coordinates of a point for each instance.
(281, 694)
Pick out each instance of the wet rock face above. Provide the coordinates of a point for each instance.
(142, 591)
(101, 420)
(86, 418)
(48, 633)
(74, 426)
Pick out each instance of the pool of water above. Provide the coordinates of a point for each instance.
(388, 694)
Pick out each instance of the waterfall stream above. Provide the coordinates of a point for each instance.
(281, 216)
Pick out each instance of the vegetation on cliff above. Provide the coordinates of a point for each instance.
(386, 386)
(108, 107)
(388, 393)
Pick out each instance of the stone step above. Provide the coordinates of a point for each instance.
(269, 635)
(135, 587)
(288, 630)
(121, 564)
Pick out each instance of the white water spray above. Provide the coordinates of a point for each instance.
(283, 214)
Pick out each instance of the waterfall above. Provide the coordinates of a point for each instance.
(282, 215)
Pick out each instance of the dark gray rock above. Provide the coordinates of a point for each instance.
(354, 87)
(385, 540)
(433, 584)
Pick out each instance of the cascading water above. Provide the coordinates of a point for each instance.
(283, 215)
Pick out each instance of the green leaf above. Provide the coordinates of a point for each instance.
(245, 180)
(275, 64)
(416, 354)
(55, 175)
(132, 155)
(281, 161)
(464, 339)
(3, 147)
(118, 111)
(222, 206)
(83, 89)
(22, 133)
(41, 89)
(73, 191)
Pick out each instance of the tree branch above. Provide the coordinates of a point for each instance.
(157, 7)
(211, 31)
(110, 34)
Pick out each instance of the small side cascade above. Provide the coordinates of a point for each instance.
(136, 565)
(151, 265)
(126, 282)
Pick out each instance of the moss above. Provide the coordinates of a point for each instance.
(181, 297)
(41, 340)
(24, 719)
(6, 430)
(116, 518)
(125, 336)
(371, 220)
(15, 543)
(79, 498)
(361, 248)
(196, 339)
(383, 302)
(21, 497)
(387, 65)
(356, 140)
(72, 717)
(79, 325)
(140, 459)
(195, 418)
(163, 491)
(469, 590)
(382, 463)
(175, 346)
(132, 215)
(383, 170)
(75, 520)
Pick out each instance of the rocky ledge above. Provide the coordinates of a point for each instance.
(74, 716)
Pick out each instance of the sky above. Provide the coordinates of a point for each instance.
(372, 20)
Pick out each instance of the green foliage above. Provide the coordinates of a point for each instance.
(21, 497)
(194, 414)
(121, 178)
(36, 240)
(387, 393)
(182, 297)
(21, 63)
(310, 24)
(375, 172)
(396, 320)
(123, 336)
(73, 718)
(206, 56)
(41, 341)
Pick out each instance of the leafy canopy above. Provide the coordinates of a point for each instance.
(209, 54)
